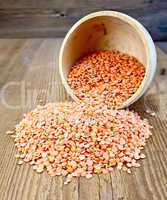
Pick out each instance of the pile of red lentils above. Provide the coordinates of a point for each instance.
(74, 140)
(109, 77)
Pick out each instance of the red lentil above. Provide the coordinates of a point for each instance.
(74, 140)
(109, 77)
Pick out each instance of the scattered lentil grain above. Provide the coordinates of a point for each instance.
(9, 132)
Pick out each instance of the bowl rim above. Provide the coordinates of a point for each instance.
(146, 39)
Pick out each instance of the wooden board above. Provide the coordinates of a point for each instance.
(43, 18)
(29, 76)
(162, 46)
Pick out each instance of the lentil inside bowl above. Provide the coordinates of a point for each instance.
(108, 77)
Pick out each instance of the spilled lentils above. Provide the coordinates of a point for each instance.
(76, 140)
(109, 77)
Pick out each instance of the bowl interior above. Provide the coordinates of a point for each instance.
(102, 33)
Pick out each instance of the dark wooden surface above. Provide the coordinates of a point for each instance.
(52, 18)
(162, 45)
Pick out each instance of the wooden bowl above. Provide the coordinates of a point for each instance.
(107, 30)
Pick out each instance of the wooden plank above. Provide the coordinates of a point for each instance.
(162, 45)
(116, 4)
(89, 189)
(54, 18)
(32, 65)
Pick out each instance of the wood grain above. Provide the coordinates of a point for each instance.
(32, 64)
(53, 18)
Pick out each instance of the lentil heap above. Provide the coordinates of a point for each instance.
(109, 77)
(72, 139)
